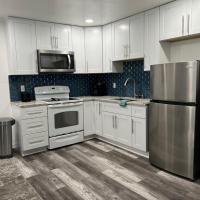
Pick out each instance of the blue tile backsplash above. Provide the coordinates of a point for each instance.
(80, 84)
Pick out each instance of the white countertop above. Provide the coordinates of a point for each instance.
(111, 99)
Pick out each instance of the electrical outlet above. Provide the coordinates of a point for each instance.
(114, 85)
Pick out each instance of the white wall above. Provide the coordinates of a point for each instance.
(5, 108)
(186, 50)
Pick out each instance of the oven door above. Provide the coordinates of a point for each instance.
(55, 61)
(65, 118)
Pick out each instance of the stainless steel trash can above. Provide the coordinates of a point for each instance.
(6, 137)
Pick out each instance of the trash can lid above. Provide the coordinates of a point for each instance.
(6, 121)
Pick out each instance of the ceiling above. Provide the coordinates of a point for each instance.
(76, 11)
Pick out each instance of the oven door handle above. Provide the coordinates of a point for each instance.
(65, 105)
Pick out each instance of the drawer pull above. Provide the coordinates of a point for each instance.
(36, 126)
(37, 141)
(35, 113)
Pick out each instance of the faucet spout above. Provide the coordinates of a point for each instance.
(126, 82)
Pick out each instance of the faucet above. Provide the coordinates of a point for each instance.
(126, 82)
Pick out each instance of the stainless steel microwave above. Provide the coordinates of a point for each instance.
(52, 61)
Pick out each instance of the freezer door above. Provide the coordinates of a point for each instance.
(174, 82)
(171, 138)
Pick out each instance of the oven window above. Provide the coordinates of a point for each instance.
(53, 61)
(66, 119)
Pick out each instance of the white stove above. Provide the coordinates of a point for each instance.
(65, 115)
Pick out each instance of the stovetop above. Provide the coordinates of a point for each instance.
(55, 100)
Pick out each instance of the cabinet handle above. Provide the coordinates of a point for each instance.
(132, 125)
(128, 50)
(35, 113)
(188, 24)
(113, 117)
(35, 126)
(99, 109)
(57, 42)
(183, 24)
(116, 122)
(52, 42)
(37, 141)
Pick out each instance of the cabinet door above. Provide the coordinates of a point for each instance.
(139, 134)
(137, 36)
(173, 19)
(121, 39)
(98, 118)
(151, 46)
(93, 49)
(63, 39)
(194, 18)
(45, 36)
(109, 130)
(107, 48)
(78, 46)
(123, 126)
(89, 120)
(22, 47)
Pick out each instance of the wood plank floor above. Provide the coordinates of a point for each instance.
(92, 170)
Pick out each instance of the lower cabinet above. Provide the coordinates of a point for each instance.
(98, 117)
(89, 118)
(139, 134)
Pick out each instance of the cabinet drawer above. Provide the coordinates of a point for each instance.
(115, 108)
(139, 111)
(34, 112)
(35, 125)
(36, 141)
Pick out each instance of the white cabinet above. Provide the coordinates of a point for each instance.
(22, 46)
(89, 118)
(109, 130)
(98, 118)
(175, 20)
(121, 39)
(139, 134)
(78, 46)
(151, 46)
(31, 129)
(53, 36)
(194, 17)
(123, 127)
(137, 36)
(93, 49)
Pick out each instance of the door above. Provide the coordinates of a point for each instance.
(65, 118)
(121, 39)
(171, 137)
(137, 36)
(107, 48)
(63, 39)
(139, 134)
(89, 118)
(123, 126)
(194, 17)
(78, 46)
(174, 82)
(22, 47)
(98, 118)
(45, 36)
(151, 45)
(173, 19)
(93, 49)
(109, 130)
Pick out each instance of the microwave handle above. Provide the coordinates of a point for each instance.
(69, 58)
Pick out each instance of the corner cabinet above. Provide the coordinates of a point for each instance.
(151, 45)
(78, 46)
(98, 117)
(22, 46)
(93, 49)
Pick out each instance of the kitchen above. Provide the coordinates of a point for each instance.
(83, 91)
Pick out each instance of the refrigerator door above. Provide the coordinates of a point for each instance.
(174, 82)
(171, 138)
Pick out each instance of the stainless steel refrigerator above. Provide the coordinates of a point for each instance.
(174, 118)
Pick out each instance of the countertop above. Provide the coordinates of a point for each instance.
(111, 99)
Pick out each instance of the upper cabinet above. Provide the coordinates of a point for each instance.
(78, 46)
(22, 46)
(175, 19)
(93, 49)
(121, 39)
(152, 45)
(194, 17)
(53, 36)
(137, 36)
